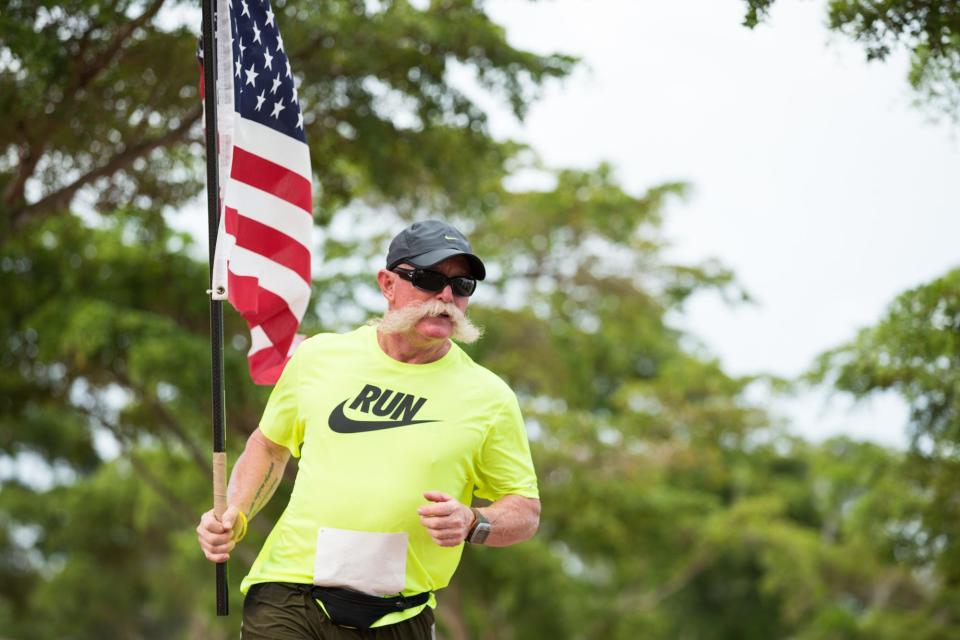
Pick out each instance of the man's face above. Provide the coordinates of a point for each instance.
(401, 293)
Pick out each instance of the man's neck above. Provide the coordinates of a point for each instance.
(412, 350)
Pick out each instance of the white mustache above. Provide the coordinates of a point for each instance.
(405, 319)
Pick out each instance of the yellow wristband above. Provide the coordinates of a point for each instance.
(239, 533)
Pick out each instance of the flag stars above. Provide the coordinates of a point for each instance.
(269, 16)
(246, 8)
(251, 75)
(276, 84)
(279, 42)
(278, 106)
(268, 59)
(289, 73)
(238, 67)
(260, 99)
(300, 121)
(256, 33)
(242, 48)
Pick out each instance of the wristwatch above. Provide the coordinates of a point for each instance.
(480, 530)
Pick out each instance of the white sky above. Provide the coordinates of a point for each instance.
(815, 178)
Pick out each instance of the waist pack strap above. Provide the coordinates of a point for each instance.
(349, 608)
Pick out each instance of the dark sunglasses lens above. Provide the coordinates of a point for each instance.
(429, 280)
(463, 286)
(435, 281)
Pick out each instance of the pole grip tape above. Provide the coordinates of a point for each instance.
(219, 483)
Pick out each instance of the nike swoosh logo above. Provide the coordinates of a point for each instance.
(449, 238)
(342, 424)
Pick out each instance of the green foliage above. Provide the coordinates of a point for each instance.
(92, 93)
(100, 99)
(914, 350)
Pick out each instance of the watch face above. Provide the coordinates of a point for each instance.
(480, 533)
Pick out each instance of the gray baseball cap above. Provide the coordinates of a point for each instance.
(426, 243)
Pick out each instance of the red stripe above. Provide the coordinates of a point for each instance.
(230, 220)
(270, 312)
(275, 319)
(268, 176)
(263, 308)
(242, 292)
(268, 242)
(266, 365)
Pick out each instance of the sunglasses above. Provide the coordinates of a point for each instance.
(434, 281)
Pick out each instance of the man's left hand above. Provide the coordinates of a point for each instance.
(446, 519)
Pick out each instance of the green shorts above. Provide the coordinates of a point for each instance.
(280, 611)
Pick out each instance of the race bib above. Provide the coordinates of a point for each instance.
(366, 561)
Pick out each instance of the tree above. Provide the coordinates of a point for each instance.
(914, 351)
(100, 99)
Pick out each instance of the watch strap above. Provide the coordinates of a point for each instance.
(480, 528)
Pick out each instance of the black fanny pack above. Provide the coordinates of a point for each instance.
(349, 608)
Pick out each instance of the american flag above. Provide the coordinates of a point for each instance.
(262, 261)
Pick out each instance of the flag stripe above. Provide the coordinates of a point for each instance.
(258, 340)
(266, 365)
(242, 292)
(269, 210)
(269, 243)
(281, 325)
(269, 176)
(273, 277)
(267, 143)
(270, 314)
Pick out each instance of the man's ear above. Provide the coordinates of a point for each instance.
(387, 282)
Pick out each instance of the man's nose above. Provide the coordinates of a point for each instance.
(445, 294)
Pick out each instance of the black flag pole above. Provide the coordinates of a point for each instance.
(216, 306)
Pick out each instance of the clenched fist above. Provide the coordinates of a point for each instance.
(446, 520)
(216, 536)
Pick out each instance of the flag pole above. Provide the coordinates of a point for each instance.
(216, 306)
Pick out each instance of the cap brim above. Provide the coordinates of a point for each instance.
(431, 258)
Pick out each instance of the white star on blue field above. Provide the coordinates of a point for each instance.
(264, 91)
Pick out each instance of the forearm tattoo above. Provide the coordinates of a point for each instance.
(264, 492)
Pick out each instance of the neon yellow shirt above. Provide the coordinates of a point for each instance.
(372, 435)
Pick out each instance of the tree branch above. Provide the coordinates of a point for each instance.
(180, 508)
(107, 55)
(48, 204)
(170, 424)
(13, 195)
(183, 512)
(88, 71)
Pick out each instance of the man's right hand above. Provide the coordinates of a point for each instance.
(216, 535)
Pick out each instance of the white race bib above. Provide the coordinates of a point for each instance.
(374, 563)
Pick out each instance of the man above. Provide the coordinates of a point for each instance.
(396, 429)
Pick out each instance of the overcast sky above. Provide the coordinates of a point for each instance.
(815, 176)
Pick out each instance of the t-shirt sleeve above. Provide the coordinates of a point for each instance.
(505, 466)
(281, 421)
